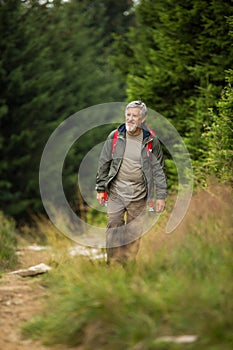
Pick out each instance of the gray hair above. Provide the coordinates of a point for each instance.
(138, 104)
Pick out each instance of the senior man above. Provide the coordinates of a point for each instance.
(131, 165)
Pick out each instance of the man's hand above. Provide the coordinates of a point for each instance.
(100, 198)
(160, 205)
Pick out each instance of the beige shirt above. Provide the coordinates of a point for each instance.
(129, 182)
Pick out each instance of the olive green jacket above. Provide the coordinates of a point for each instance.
(152, 164)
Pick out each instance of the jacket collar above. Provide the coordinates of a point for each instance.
(146, 133)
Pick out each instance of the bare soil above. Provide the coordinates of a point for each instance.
(20, 300)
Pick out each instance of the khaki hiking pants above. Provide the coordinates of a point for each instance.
(124, 229)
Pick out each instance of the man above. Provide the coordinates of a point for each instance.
(127, 171)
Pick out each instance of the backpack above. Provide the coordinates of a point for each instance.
(149, 151)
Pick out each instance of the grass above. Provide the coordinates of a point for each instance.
(180, 285)
(8, 243)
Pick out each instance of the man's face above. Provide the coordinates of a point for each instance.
(133, 119)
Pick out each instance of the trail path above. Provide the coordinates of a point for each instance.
(20, 299)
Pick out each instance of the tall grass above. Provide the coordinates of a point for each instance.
(8, 243)
(182, 284)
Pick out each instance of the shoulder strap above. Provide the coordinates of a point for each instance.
(152, 132)
(149, 146)
(114, 141)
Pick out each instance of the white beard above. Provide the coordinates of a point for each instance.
(131, 128)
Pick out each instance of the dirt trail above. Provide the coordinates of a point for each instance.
(20, 299)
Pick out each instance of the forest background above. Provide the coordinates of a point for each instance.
(58, 58)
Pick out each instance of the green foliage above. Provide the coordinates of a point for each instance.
(175, 60)
(176, 291)
(56, 59)
(54, 62)
(218, 159)
(218, 136)
(8, 243)
(96, 218)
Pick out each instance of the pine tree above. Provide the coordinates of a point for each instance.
(219, 158)
(175, 60)
(53, 64)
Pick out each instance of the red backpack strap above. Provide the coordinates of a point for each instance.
(114, 141)
(152, 132)
(149, 147)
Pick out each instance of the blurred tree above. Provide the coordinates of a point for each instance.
(119, 17)
(53, 63)
(175, 60)
(219, 158)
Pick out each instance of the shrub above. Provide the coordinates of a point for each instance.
(181, 285)
(8, 243)
(218, 159)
